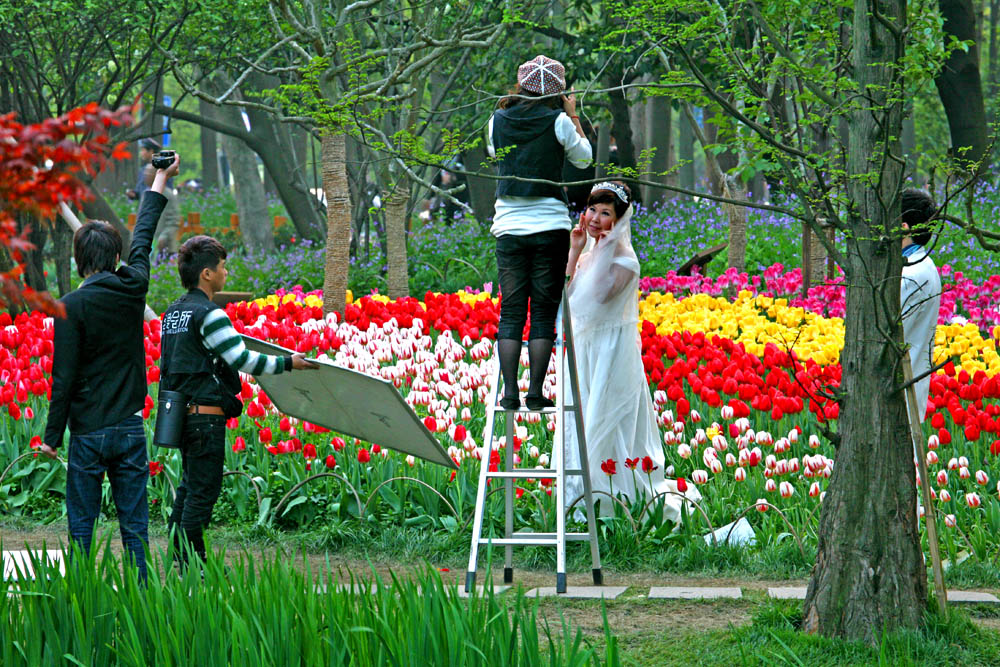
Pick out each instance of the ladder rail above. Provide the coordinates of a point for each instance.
(565, 357)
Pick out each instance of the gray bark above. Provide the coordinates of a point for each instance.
(209, 150)
(659, 130)
(256, 226)
(870, 576)
(685, 154)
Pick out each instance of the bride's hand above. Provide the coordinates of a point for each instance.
(578, 237)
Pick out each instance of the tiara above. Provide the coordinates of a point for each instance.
(613, 187)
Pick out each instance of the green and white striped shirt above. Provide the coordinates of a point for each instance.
(219, 336)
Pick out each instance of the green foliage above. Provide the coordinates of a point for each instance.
(271, 613)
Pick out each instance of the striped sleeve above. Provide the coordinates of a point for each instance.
(219, 336)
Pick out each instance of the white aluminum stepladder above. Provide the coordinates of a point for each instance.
(565, 354)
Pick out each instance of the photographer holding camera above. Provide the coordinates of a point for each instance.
(99, 377)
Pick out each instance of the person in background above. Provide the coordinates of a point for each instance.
(201, 353)
(533, 131)
(919, 289)
(99, 378)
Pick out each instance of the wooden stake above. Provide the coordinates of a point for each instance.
(917, 434)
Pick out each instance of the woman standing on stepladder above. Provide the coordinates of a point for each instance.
(533, 131)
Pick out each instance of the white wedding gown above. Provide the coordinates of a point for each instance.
(618, 415)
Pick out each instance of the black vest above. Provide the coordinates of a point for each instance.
(186, 365)
(536, 152)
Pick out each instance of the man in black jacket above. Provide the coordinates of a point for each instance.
(99, 378)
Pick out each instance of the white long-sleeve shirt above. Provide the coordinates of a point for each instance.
(520, 216)
(920, 300)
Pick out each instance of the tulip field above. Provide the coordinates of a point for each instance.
(737, 383)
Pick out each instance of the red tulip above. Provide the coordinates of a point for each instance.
(609, 467)
(364, 456)
(309, 451)
(331, 462)
(430, 423)
(631, 463)
(460, 433)
(265, 435)
(36, 442)
(682, 484)
(285, 424)
(337, 443)
(239, 444)
(155, 468)
(647, 465)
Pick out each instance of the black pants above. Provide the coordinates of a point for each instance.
(532, 266)
(202, 454)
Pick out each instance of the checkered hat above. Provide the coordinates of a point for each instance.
(541, 75)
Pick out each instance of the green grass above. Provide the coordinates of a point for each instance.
(773, 639)
(271, 613)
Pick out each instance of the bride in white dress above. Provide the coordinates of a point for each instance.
(618, 416)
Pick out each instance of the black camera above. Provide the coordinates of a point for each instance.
(163, 159)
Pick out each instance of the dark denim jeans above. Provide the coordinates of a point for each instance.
(119, 450)
(531, 266)
(202, 454)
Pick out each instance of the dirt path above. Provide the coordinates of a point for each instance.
(630, 615)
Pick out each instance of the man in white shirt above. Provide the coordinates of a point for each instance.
(919, 289)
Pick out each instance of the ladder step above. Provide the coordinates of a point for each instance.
(530, 473)
(529, 539)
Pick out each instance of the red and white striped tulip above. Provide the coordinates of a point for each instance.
(945, 496)
(933, 442)
(699, 476)
(932, 458)
(770, 486)
(963, 473)
(740, 475)
(952, 463)
(814, 489)
(972, 500)
(683, 451)
(949, 520)
(786, 489)
(942, 478)
(982, 479)
(814, 441)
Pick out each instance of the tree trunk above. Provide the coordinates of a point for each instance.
(659, 128)
(338, 221)
(621, 129)
(685, 153)
(395, 205)
(209, 150)
(482, 191)
(603, 149)
(994, 21)
(960, 88)
(34, 262)
(256, 225)
(736, 251)
(62, 248)
(869, 576)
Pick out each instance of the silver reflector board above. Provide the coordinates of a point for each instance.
(349, 402)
